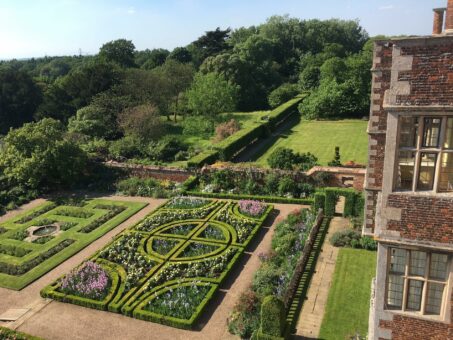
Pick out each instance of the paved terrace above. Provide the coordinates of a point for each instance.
(54, 320)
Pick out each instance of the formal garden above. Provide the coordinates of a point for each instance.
(168, 267)
(36, 241)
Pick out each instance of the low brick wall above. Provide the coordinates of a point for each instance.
(159, 172)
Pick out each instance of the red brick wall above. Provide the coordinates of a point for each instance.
(404, 328)
(423, 218)
(431, 78)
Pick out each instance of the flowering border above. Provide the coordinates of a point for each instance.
(219, 262)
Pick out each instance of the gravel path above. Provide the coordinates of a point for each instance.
(57, 320)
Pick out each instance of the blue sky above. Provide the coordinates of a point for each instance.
(61, 27)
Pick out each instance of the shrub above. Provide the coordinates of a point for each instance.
(165, 150)
(352, 239)
(224, 130)
(282, 94)
(336, 159)
(286, 186)
(284, 158)
(125, 148)
(272, 316)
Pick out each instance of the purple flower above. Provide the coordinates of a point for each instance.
(89, 280)
(252, 208)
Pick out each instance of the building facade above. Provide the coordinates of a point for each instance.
(409, 184)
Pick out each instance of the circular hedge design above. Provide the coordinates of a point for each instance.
(174, 258)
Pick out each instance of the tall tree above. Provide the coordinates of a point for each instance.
(39, 155)
(181, 54)
(19, 98)
(210, 94)
(119, 51)
(211, 43)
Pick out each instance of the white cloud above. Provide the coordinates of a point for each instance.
(386, 8)
(131, 10)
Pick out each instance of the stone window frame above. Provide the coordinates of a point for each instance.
(419, 149)
(444, 308)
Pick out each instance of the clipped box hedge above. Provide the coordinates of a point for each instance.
(95, 220)
(328, 197)
(229, 147)
(218, 262)
(262, 198)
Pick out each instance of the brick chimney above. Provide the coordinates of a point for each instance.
(449, 18)
(438, 24)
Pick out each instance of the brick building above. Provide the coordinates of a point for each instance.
(409, 184)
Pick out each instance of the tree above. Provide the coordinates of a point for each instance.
(142, 122)
(19, 98)
(93, 121)
(181, 54)
(154, 58)
(75, 90)
(211, 94)
(282, 94)
(119, 51)
(210, 44)
(179, 77)
(39, 155)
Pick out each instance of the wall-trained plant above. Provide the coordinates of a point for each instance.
(166, 268)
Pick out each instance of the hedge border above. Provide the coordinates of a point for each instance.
(81, 240)
(267, 199)
(233, 144)
(130, 304)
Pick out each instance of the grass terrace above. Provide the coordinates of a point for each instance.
(33, 243)
(321, 137)
(349, 296)
(167, 267)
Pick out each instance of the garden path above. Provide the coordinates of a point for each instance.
(55, 320)
(312, 313)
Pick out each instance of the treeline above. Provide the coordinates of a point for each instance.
(123, 103)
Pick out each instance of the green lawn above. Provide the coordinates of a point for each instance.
(321, 137)
(349, 296)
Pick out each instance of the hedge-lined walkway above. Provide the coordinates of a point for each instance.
(60, 321)
(312, 313)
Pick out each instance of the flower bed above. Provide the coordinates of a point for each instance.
(274, 275)
(167, 267)
(22, 261)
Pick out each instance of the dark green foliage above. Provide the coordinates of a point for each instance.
(119, 51)
(337, 158)
(272, 316)
(151, 59)
(268, 199)
(75, 90)
(353, 239)
(287, 159)
(13, 250)
(180, 54)
(210, 44)
(19, 98)
(320, 201)
(40, 155)
(282, 94)
(352, 206)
